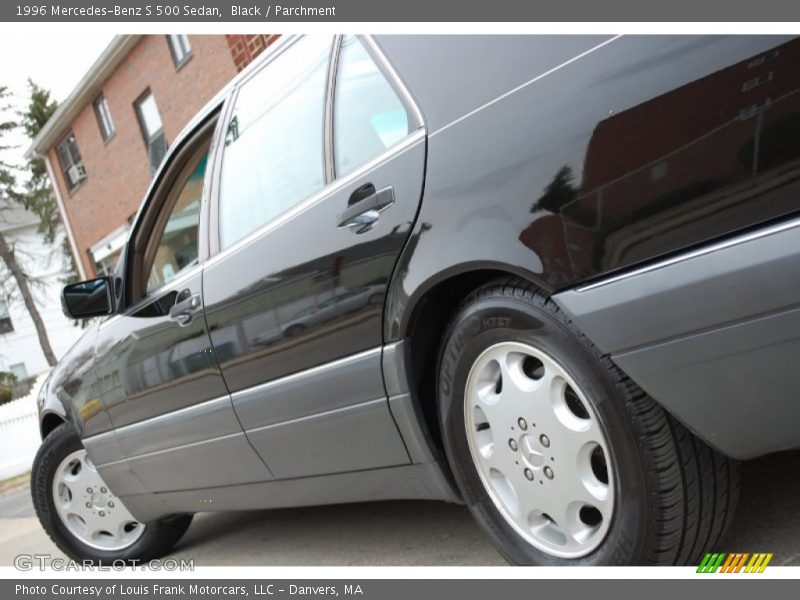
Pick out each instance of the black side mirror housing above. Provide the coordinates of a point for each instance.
(92, 298)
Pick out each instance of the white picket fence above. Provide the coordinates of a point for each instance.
(19, 433)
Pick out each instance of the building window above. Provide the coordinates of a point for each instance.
(19, 371)
(6, 326)
(756, 81)
(69, 158)
(152, 129)
(103, 115)
(760, 60)
(180, 49)
(753, 110)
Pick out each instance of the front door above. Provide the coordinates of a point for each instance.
(157, 376)
(320, 181)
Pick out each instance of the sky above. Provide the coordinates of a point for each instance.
(56, 62)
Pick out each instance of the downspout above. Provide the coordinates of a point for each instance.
(73, 245)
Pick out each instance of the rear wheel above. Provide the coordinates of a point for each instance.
(83, 517)
(559, 456)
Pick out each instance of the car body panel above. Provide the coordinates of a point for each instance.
(638, 149)
(713, 335)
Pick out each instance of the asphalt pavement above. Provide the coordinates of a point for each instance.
(409, 533)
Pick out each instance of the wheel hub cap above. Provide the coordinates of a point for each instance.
(88, 509)
(539, 449)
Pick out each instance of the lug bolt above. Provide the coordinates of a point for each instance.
(110, 505)
(512, 443)
(529, 474)
(522, 424)
(102, 513)
(88, 505)
(103, 490)
(89, 490)
(545, 441)
(548, 472)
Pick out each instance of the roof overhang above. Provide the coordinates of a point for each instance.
(84, 93)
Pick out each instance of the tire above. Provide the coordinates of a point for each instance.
(153, 541)
(668, 497)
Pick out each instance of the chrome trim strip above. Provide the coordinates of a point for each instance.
(388, 68)
(333, 411)
(409, 142)
(526, 84)
(327, 133)
(162, 417)
(174, 448)
(392, 346)
(328, 366)
(100, 437)
(749, 237)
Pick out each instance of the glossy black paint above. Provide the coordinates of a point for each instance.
(314, 292)
(640, 148)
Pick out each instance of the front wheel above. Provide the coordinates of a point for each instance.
(83, 517)
(559, 456)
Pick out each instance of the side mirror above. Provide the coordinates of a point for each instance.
(86, 299)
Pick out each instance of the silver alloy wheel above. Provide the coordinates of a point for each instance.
(88, 509)
(539, 449)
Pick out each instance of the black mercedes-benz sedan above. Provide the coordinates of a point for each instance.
(554, 278)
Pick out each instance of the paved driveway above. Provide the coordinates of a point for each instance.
(409, 533)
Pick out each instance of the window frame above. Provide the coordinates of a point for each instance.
(102, 112)
(179, 61)
(170, 199)
(71, 188)
(331, 181)
(146, 138)
(157, 202)
(416, 121)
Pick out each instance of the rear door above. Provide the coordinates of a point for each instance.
(319, 183)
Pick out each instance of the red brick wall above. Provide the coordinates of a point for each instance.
(117, 171)
(244, 48)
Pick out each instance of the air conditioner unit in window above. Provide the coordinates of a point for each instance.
(76, 174)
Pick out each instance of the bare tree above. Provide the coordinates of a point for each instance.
(8, 256)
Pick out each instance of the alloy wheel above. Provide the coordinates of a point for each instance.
(88, 509)
(539, 449)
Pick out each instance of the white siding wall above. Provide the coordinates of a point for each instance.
(48, 263)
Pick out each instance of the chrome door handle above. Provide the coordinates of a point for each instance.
(182, 312)
(364, 212)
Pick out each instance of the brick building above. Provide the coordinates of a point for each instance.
(107, 138)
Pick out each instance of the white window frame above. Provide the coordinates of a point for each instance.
(180, 48)
(104, 120)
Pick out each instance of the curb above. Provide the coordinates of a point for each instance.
(14, 482)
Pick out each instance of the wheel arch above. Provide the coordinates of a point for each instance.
(49, 421)
(429, 316)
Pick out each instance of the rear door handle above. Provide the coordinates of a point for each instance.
(185, 307)
(365, 207)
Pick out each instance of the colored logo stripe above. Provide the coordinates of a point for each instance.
(734, 562)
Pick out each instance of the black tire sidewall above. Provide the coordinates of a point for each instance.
(493, 319)
(59, 444)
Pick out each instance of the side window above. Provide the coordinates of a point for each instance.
(176, 249)
(273, 156)
(368, 115)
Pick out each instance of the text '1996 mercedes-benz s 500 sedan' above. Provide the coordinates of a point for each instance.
(554, 278)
